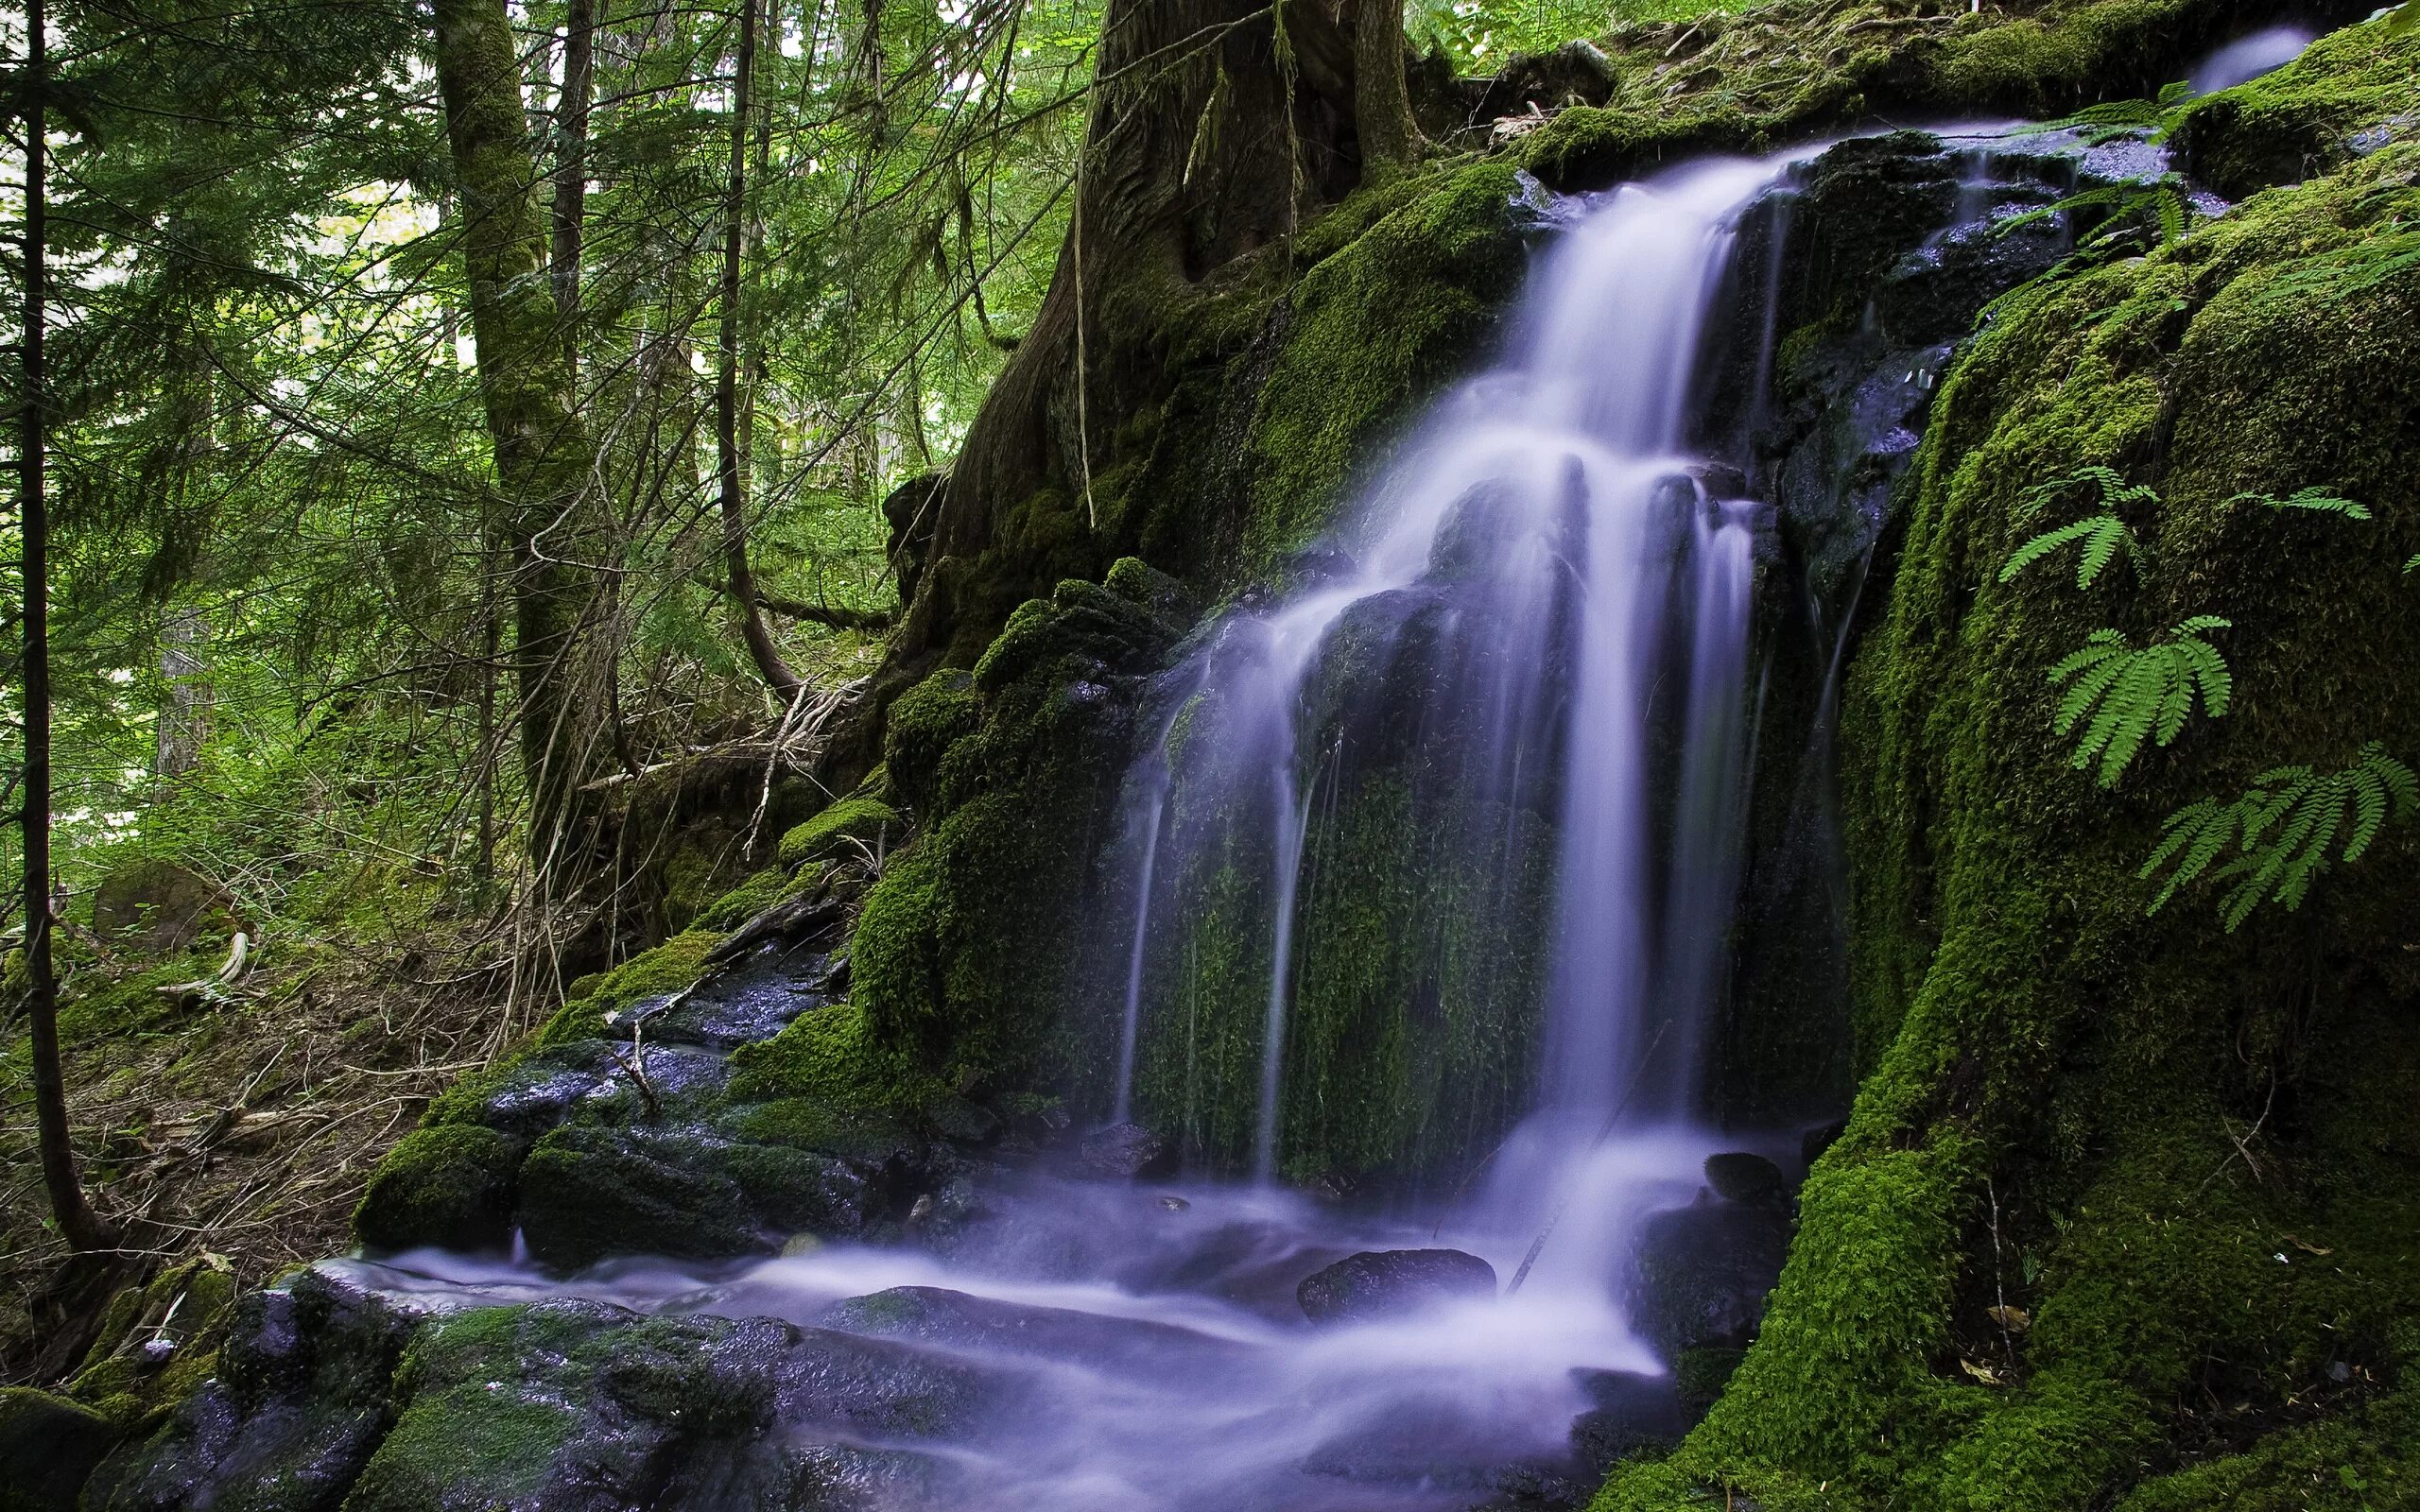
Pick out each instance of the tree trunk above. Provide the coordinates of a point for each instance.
(570, 205)
(183, 719)
(767, 656)
(543, 453)
(1391, 139)
(77, 1224)
(1198, 147)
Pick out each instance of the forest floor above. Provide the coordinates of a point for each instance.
(243, 1128)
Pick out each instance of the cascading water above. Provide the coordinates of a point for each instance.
(1577, 590)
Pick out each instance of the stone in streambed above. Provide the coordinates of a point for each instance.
(1126, 1152)
(1385, 1283)
(1628, 1412)
(1738, 1177)
(1703, 1273)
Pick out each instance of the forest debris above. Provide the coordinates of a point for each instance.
(218, 989)
(1979, 1371)
(2012, 1319)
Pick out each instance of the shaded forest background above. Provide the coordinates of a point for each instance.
(305, 688)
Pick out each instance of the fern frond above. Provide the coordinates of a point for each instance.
(2412, 565)
(2101, 534)
(2288, 829)
(2315, 499)
(2133, 696)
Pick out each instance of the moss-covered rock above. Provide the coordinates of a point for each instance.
(48, 1447)
(852, 826)
(590, 1192)
(2347, 96)
(1370, 333)
(299, 1402)
(450, 1186)
(2173, 1147)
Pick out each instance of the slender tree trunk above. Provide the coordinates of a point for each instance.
(1391, 139)
(768, 657)
(77, 1224)
(581, 21)
(542, 453)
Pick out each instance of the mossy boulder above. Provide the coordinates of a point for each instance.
(2062, 1097)
(2348, 96)
(299, 1402)
(157, 1342)
(589, 1191)
(48, 1447)
(451, 1186)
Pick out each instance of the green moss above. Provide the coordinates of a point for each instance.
(49, 1445)
(857, 1133)
(1374, 329)
(2350, 93)
(851, 827)
(832, 1057)
(922, 727)
(450, 1186)
(2063, 1100)
(728, 911)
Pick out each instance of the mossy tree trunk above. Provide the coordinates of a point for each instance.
(1204, 142)
(1382, 101)
(543, 453)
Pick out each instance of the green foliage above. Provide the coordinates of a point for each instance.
(2131, 692)
(2284, 829)
(2103, 534)
(2317, 500)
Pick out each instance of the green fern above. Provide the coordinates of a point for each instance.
(2122, 695)
(2103, 534)
(2284, 830)
(2158, 207)
(2315, 499)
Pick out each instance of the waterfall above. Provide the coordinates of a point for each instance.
(1572, 590)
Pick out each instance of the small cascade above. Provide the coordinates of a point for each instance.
(1536, 628)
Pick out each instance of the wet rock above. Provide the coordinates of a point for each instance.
(1703, 1273)
(1737, 1176)
(1438, 1443)
(1126, 1152)
(298, 1406)
(1629, 1412)
(955, 1319)
(961, 1122)
(588, 1192)
(1383, 1283)
(48, 1447)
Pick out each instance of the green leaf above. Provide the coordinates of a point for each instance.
(2133, 695)
(2286, 830)
(2317, 500)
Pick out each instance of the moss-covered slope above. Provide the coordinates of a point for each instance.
(2175, 1159)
